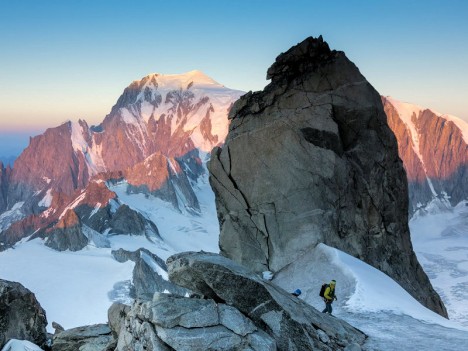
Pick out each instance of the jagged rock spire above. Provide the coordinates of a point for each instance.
(309, 160)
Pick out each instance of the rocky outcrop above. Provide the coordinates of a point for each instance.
(67, 234)
(57, 328)
(21, 315)
(312, 160)
(178, 323)
(50, 159)
(163, 177)
(128, 221)
(292, 323)
(88, 216)
(90, 338)
(233, 309)
(149, 273)
(116, 317)
(434, 151)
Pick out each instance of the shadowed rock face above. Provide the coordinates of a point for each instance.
(311, 159)
(21, 315)
(67, 234)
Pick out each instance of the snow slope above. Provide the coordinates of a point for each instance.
(440, 241)
(371, 301)
(77, 288)
(72, 287)
(20, 345)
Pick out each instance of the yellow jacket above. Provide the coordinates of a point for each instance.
(329, 293)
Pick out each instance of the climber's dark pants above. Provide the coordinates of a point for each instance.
(328, 307)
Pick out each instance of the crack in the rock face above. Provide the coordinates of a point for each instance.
(234, 183)
(247, 209)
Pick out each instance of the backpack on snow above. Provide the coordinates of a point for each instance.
(322, 289)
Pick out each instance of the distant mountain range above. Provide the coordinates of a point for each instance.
(434, 150)
(153, 140)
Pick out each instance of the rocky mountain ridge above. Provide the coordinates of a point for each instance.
(434, 150)
(152, 139)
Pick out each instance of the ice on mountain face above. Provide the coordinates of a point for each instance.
(154, 266)
(440, 240)
(7, 218)
(47, 180)
(128, 117)
(114, 205)
(439, 204)
(92, 153)
(179, 231)
(409, 112)
(47, 199)
(176, 81)
(74, 204)
(95, 238)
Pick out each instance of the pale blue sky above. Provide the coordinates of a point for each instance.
(63, 60)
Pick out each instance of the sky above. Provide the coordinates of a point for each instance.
(65, 60)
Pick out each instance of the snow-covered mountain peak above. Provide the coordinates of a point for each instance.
(195, 78)
(190, 105)
(156, 92)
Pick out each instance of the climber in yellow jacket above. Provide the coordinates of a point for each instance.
(329, 297)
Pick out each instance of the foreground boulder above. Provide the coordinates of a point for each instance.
(88, 338)
(309, 160)
(171, 322)
(292, 323)
(21, 315)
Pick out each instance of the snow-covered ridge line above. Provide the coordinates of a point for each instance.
(176, 81)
